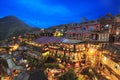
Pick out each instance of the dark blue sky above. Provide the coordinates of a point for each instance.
(45, 13)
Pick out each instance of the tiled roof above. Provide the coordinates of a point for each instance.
(45, 40)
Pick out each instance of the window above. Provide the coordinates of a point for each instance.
(74, 35)
(97, 28)
(102, 28)
(91, 28)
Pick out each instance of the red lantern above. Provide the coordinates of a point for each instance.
(68, 65)
(77, 64)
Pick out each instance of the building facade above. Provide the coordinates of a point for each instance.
(105, 29)
(83, 31)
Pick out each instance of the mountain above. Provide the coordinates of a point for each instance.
(12, 26)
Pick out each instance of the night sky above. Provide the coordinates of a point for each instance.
(46, 13)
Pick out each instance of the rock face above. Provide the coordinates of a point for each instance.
(12, 26)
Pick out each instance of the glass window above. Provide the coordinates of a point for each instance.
(91, 28)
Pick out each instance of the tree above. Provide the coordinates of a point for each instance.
(70, 75)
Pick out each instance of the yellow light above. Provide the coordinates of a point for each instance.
(58, 34)
(10, 52)
(117, 33)
(14, 47)
(91, 51)
(105, 58)
(45, 54)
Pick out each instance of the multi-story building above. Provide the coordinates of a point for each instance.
(106, 29)
(117, 29)
(83, 31)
